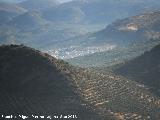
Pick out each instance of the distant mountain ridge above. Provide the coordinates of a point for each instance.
(131, 30)
(9, 7)
(70, 20)
(131, 36)
(28, 20)
(71, 25)
(9, 11)
(136, 28)
(40, 5)
(98, 11)
(12, 1)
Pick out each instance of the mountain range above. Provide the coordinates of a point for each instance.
(131, 36)
(60, 22)
(23, 25)
(98, 11)
(59, 38)
(33, 5)
(8, 11)
(111, 49)
(12, 1)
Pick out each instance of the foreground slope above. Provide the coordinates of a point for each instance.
(31, 84)
(144, 69)
(36, 83)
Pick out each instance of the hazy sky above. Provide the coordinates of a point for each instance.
(37, 0)
(64, 0)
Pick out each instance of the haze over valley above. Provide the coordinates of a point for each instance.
(63, 25)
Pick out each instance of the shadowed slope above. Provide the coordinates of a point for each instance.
(31, 83)
(144, 69)
(36, 83)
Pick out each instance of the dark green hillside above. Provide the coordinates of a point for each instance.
(144, 69)
(31, 83)
(31, 79)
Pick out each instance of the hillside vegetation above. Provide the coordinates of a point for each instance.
(144, 69)
(32, 84)
(31, 79)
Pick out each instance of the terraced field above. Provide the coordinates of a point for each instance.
(119, 96)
